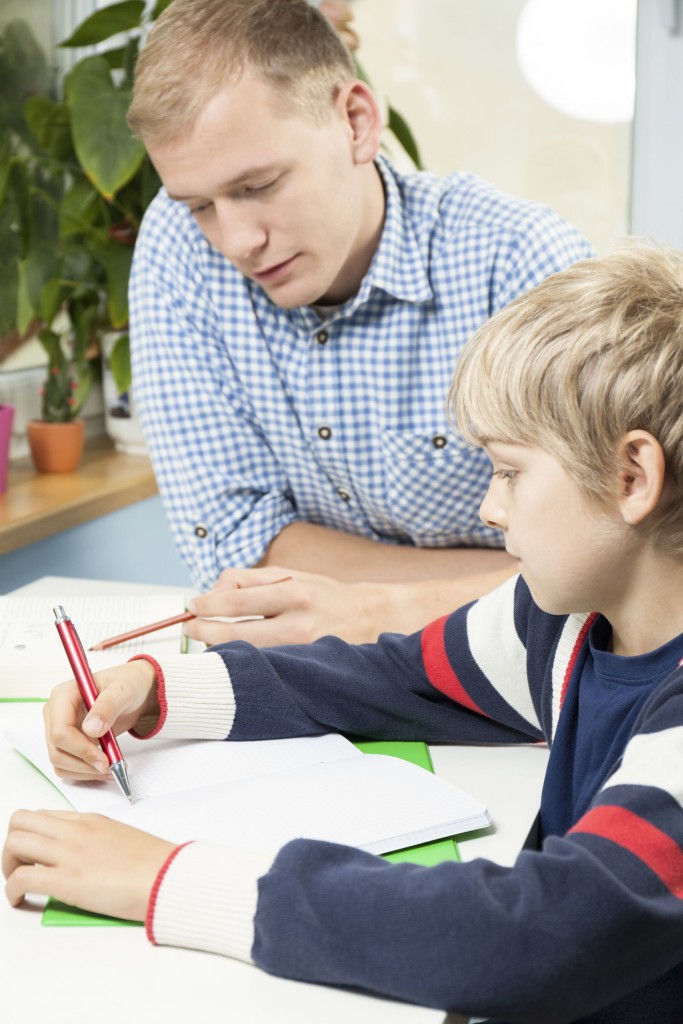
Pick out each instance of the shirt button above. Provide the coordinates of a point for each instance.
(201, 531)
(322, 337)
(439, 441)
(324, 433)
(344, 495)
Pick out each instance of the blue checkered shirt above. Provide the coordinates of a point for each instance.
(257, 416)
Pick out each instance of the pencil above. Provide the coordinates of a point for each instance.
(102, 645)
(152, 627)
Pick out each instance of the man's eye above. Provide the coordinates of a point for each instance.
(250, 189)
(200, 208)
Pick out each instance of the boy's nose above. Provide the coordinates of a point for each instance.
(490, 510)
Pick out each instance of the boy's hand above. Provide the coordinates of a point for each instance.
(85, 860)
(125, 694)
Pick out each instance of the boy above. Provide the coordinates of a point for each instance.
(297, 307)
(574, 391)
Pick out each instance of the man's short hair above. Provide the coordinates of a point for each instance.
(590, 353)
(198, 46)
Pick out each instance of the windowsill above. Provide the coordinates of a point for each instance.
(38, 505)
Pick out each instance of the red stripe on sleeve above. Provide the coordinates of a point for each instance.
(647, 842)
(161, 697)
(439, 669)
(151, 906)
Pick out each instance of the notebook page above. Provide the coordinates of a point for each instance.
(175, 766)
(32, 659)
(373, 802)
(261, 794)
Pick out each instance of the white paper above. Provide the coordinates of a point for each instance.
(32, 659)
(258, 795)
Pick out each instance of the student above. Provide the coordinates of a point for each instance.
(575, 392)
(297, 307)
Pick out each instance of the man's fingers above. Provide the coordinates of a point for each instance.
(268, 632)
(259, 599)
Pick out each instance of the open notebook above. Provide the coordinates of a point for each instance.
(32, 659)
(259, 795)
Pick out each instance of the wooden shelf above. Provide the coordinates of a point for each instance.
(38, 505)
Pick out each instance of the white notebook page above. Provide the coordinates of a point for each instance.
(261, 794)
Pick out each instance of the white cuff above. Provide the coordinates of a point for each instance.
(196, 699)
(205, 898)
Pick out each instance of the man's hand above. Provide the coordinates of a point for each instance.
(84, 860)
(306, 606)
(126, 694)
(282, 606)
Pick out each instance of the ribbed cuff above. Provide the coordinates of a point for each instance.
(196, 698)
(205, 898)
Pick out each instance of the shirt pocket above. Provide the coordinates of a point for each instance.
(435, 484)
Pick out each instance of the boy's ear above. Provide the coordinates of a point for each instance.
(359, 108)
(642, 475)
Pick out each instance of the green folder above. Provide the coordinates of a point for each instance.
(427, 854)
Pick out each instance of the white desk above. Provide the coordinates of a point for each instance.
(113, 974)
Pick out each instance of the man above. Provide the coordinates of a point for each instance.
(297, 308)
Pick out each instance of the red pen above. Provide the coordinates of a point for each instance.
(86, 685)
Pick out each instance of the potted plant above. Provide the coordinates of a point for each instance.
(56, 440)
(49, 288)
(73, 187)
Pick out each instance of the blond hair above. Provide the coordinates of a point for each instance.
(198, 46)
(589, 354)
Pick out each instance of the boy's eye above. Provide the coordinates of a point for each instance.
(505, 474)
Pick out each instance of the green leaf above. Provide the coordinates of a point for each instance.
(105, 147)
(109, 21)
(5, 166)
(49, 124)
(25, 63)
(400, 129)
(117, 260)
(78, 209)
(53, 347)
(84, 379)
(9, 284)
(40, 266)
(119, 364)
(159, 8)
(52, 295)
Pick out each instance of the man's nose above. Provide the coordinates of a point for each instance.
(241, 235)
(491, 512)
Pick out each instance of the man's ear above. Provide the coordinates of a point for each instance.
(358, 106)
(642, 475)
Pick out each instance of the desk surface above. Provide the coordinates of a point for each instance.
(145, 983)
(37, 505)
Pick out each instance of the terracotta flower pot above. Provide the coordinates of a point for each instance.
(56, 447)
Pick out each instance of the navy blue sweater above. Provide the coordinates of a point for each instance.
(589, 926)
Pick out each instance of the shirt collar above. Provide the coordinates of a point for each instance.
(399, 266)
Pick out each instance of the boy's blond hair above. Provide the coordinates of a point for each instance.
(589, 354)
(198, 46)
